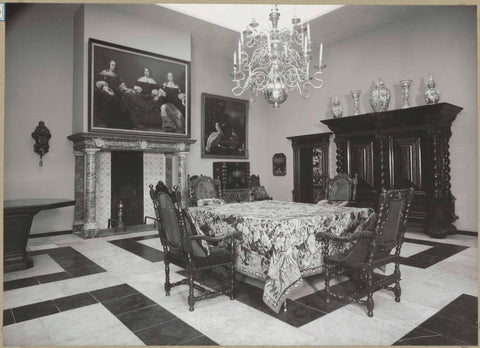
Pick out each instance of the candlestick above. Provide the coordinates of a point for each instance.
(268, 43)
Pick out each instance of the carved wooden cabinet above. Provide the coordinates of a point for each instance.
(310, 166)
(399, 149)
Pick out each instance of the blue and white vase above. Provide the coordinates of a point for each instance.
(380, 97)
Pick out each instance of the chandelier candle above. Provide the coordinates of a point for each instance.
(276, 61)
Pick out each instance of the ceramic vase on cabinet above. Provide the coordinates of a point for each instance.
(337, 110)
(356, 101)
(405, 93)
(432, 94)
(380, 97)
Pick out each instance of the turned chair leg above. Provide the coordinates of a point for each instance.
(232, 281)
(191, 296)
(397, 290)
(168, 286)
(327, 283)
(369, 302)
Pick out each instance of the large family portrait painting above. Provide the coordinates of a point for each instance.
(137, 91)
(224, 127)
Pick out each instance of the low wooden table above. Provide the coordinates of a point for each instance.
(17, 219)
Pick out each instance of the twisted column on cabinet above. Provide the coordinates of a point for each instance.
(381, 138)
(341, 149)
(446, 162)
(437, 163)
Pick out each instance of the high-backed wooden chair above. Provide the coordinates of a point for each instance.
(258, 192)
(341, 190)
(373, 242)
(182, 245)
(203, 187)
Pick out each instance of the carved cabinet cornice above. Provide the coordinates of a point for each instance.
(399, 149)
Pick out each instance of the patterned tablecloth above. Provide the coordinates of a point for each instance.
(279, 239)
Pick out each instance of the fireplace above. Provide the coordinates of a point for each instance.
(110, 167)
(127, 186)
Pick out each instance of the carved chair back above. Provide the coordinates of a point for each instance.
(392, 215)
(202, 187)
(171, 225)
(254, 180)
(342, 188)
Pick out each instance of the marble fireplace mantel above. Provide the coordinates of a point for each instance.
(88, 148)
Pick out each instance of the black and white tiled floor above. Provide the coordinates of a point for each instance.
(109, 291)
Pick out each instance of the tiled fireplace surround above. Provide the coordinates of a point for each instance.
(163, 159)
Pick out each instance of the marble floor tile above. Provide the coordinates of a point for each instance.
(129, 235)
(62, 244)
(26, 333)
(426, 295)
(458, 239)
(153, 243)
(117, 335)
(78, 322)
(39, 241)
(31, 294)
(346, 327)
(401, 314)
(87, 283)
(458, 282)
(63, 238)
(131, 268)
(409, 249)
(234, 323)
(41, 247)
(42, 264)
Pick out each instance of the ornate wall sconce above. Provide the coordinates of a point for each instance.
(41, 136)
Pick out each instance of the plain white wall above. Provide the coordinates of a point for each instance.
(38, 87)
(440, 40)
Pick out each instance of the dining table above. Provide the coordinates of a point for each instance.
(279, 242)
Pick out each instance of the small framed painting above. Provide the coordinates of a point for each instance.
(279, 162)
(224, 127)
(133, 91)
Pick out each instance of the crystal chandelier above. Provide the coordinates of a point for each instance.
(275, 62)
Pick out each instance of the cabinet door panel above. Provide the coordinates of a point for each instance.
(361, 162)
(406, 166)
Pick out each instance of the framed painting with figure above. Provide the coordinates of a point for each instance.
(134, 91)
(224, 127)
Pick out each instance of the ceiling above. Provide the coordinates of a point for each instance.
(237, 16)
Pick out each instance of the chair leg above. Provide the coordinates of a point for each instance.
(369, 302)
(191, 296)
(168, 285)
(327, 283)
(397, 290)
(232, 281)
